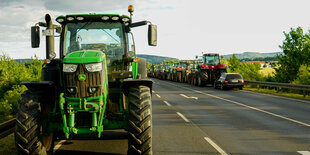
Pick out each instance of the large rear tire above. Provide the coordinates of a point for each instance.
(28, 131)
(140, 121)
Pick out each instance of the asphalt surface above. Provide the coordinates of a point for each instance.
(202, 120)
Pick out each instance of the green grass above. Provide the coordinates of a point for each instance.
(7, 145)
(267, 71)
(274, 92)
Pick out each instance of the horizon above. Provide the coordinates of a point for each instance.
(168, 56)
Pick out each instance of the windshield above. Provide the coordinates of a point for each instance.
(233, 76)
(105, 37)
(211, 59)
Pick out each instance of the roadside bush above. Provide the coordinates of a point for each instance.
(247, 70)
(303, 76)
(11, 74)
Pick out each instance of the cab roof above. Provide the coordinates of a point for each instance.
(210, 54)
(92, 17)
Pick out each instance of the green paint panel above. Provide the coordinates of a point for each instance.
(86, 56)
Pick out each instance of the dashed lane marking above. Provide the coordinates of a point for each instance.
(158, 96)
(196, 98)
(183, 117)
(168, 104)
(219, 149)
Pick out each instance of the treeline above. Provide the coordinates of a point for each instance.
(294, 64)
(275, 58)
(156, 59)
(11, 74)
(249, 71)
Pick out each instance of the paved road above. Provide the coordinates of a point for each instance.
(201, 120)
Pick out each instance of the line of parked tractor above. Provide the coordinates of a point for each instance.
(205, 70)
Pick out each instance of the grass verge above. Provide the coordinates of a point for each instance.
(274, 92)
(7, 145)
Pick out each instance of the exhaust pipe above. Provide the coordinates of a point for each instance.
(50, 49)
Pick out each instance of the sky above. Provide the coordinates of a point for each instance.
(186, 28)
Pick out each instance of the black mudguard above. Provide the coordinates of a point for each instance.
(48, 88)
(40, 85)
(127, 83)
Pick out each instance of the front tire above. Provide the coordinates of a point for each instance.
(140, 121)
(28, 131)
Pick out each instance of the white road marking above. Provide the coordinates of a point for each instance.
(196, 98)
(183, 117)
(158, 96)
(220, 150)
(250, 107)
(168, 104)
(304, 152)
(58, 145)
(153, 91)
(278, 96)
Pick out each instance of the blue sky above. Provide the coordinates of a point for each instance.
(185, 27)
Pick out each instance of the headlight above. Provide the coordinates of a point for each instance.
(95, 67)
(69, 68)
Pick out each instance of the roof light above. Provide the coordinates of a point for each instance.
(70, 18)
(80, 18)
(125, 19)
(115, 18)
(130, 8)
(60, 20)
(105, 17)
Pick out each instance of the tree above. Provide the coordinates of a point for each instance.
(296, 49)
(234, 64)
(303, 75)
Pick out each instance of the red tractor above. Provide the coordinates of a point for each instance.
(209, 70)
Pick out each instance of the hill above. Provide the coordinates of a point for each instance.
(253, 55)
(155, 59)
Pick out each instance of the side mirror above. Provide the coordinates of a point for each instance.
(152, 35)
(35, 36)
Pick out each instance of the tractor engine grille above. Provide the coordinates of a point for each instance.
(82, 88)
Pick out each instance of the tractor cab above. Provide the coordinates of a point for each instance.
(211, 59)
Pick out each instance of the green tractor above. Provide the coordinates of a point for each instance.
(96, 84)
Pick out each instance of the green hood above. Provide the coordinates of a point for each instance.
(86, 56)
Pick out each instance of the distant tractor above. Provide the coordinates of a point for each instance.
(179, 71)
(209, 70)
(188, 70)
(96, 84)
